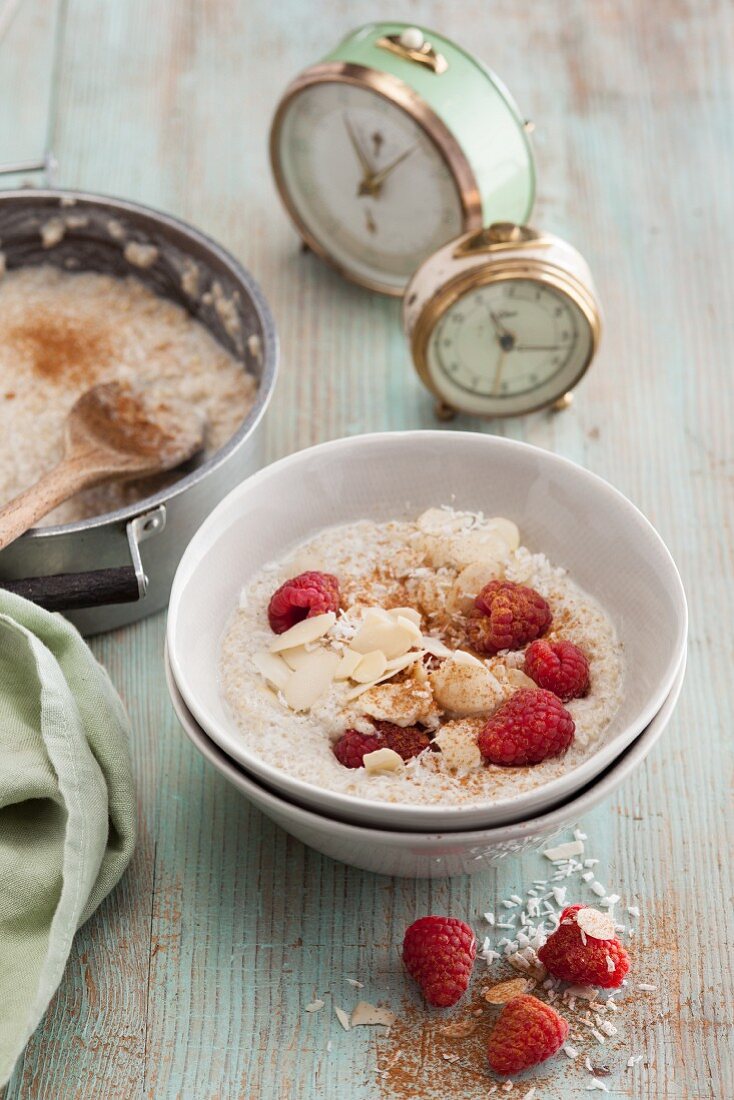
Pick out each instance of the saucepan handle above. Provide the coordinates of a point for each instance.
(118, 584)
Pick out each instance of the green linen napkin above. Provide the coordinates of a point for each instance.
(67, 807)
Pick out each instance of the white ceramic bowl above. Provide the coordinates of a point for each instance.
(574, 517)
(423, 855)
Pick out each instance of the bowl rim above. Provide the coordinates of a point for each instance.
(583, 801)
(364, 807)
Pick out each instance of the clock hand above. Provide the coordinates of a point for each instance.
(505, 338)
(379, 177)
(361, 155)
(498, 374)
(537, 347)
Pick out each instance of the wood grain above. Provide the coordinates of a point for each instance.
(192, 978)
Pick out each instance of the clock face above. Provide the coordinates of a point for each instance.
(508, 347)
(366, 182)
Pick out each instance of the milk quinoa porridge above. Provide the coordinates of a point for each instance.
(433, 661)
(61, 333)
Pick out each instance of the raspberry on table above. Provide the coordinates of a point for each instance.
(565, 955)
(302, 597)
(560, 667)
(527, 1032)
(352, 747)
(527, 729)
(406, 741)
(506, 616)
(439, 953)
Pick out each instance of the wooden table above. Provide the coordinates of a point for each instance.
(192, 978)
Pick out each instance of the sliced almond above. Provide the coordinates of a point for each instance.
(507, 530)
(342, 1017)
(311, 680)
(391, 637)
(600, 926)
(272, 668)
(464, 689)
(435, 646)
(439, 521)
(347, 664)
(295, 657)
(371, 666)
(503, 992)
(382, 762)
(365, 1014)
(308, 630)
(470, 582)
(406, 613)
(487, 547)
(397, 664)
(463, 658)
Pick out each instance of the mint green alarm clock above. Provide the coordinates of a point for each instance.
(397, 142)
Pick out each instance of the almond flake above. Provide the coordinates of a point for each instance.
(435, 646)
(391, 637)
(311, 680)
(565, 851)
(272, 669)
(450, 1057)
(315, 1006)
(308, 630)
(406, 613)
(367, 1015)
(342, 1017)
(397, 664)
(382, 762)
(503, 992)
(599, 926)
(349, 661)
(355, 983)
(371, 666)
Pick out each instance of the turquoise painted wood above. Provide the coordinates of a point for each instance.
(191, 980)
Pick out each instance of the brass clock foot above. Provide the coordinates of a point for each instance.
(444, 411)
(562, 403)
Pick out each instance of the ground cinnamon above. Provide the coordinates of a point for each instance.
(61, 349)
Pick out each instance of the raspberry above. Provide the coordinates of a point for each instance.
(526, 1033)
(596, 962)
(406, 741)
(559, 667)
(302, 597)
(352, 747)
(439, 953)
(506, 616)
(528, 728)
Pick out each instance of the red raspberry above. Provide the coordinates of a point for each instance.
(526, 1033)
(439, 953)
(302, 597)
(596, 962)
(528, 728)
(506, 616)
(352, 747)
(559, 667)
(406, 741)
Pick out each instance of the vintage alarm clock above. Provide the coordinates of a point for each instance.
(395, 143)
(502, 321)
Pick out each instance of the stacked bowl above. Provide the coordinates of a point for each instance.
(572, 516)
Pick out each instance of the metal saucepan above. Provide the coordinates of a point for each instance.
(113, 569)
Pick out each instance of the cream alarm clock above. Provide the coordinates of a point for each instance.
(502, 321)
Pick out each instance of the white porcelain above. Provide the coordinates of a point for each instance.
(576, 518)
(423, 855)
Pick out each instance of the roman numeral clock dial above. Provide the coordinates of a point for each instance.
(502, 321)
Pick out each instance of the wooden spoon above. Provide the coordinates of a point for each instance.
(115, 431)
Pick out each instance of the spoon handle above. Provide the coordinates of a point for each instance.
(61, 482)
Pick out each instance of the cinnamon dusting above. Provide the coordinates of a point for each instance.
(60, 349)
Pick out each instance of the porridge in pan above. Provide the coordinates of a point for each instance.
(62, 333)
(434, 661)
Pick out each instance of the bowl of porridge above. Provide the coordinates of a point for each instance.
(427, 855)
(425, 630)
(95, 290)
